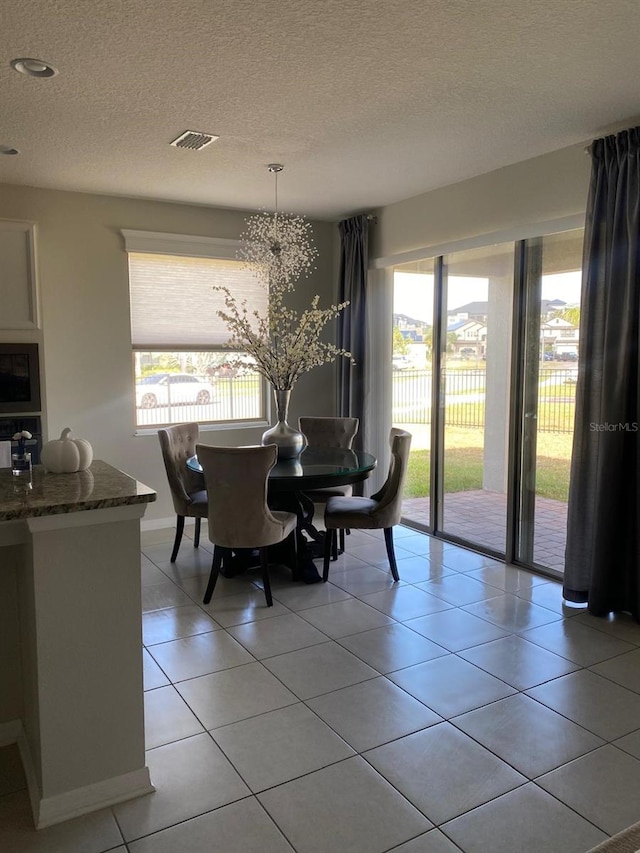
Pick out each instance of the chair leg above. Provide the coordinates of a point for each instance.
(341, 546)
(178, 539)
(215, 571)
(334, 545)
(294, 549)
(225, 561)
(329, 540)
(196, 538)
(264, 565)
(388, 541)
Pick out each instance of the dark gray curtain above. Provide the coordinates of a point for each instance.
(602, 565)
(354, 260)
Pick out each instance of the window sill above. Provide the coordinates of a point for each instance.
(208, 427)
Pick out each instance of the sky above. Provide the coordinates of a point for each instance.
(413, 292)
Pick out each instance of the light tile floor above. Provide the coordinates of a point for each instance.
(464, 709)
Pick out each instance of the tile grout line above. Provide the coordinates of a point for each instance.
(510, 632)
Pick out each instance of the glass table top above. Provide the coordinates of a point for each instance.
(316, 467)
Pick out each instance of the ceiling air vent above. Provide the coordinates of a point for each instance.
(194, 139)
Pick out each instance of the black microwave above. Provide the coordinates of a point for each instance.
(19, 378)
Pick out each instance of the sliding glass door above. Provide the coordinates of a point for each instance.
(485, 351)
(412, 366)
(477, 308)
(550, 350)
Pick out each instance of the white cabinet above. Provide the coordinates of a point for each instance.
(18, 286)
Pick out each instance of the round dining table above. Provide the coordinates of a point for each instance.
(290, 479)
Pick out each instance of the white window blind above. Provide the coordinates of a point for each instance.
(173, 303)
(171, 281)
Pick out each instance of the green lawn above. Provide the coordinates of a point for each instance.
(463, 465)
(465, 437)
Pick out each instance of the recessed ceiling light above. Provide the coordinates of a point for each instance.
(33, 67)
(7, 149)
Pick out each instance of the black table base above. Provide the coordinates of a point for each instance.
(316, 468)
(309, 542)
(245, 559)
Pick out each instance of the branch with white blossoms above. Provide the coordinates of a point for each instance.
(283, 344)
(277, 249)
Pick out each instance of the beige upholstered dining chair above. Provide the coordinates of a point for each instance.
(239, 518)
(178, 443)
(382, 511)
(329, 432)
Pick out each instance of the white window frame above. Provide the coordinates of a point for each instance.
(187, 245)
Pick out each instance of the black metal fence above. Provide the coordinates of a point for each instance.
(241, 398)
(235, 398)
(465, 395)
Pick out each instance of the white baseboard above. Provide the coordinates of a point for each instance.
(33, 784)
(16, 729)
(90, 798)
(51, 810)
(161, 523)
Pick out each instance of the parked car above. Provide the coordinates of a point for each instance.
(401, 362)
(162, 389)
(228, 370)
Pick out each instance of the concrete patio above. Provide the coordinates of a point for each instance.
(479, 517)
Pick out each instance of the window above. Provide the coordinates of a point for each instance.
(492, 425)
(184, 368)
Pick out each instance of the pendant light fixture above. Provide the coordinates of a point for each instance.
(278, 246)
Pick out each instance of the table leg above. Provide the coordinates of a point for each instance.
(299, 503)
(304, 570)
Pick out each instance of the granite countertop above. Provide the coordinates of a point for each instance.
(99, 487)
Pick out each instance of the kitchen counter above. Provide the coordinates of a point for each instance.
(99, 487)
(71, 691)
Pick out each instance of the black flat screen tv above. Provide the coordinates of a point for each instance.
(19, 378)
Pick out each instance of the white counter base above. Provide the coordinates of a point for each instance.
(81, 725)
(90, 798)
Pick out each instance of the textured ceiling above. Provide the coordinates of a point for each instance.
(366, 102)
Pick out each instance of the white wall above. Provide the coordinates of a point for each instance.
(84, 287)
(508, 203)
(510, 199)
(85, 319)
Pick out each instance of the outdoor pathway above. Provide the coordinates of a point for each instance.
(479, 516)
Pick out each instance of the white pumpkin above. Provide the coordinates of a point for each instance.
(65, 455)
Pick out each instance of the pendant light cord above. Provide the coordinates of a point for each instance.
(275, 168)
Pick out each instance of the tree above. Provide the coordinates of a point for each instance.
(571, 315)
(400, 345)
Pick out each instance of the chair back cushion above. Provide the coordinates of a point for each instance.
(329, 432)
(178, 443)
(236, 481)
(389, 499)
